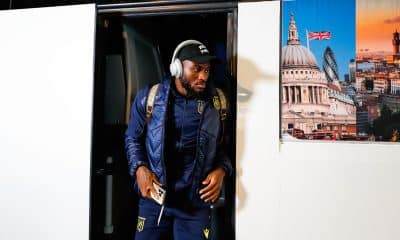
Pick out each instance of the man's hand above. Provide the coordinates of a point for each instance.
(213, 186)
(145, 179)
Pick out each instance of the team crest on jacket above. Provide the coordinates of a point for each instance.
(140, 224)
(206, 232)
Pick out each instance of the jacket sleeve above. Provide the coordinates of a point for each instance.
(135, 134)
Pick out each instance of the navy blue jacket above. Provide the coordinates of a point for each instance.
(145, 142)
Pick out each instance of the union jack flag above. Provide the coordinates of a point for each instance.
(319, 35)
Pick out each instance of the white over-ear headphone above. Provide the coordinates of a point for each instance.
(176, 66)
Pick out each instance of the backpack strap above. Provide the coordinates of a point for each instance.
(220, 104)
(151, 98)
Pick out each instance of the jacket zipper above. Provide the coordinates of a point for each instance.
(183, 120)
(196, 161)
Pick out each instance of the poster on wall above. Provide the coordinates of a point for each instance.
(340, 70)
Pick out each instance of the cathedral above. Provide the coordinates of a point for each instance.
(309, 101)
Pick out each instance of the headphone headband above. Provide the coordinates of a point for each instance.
(184, 44)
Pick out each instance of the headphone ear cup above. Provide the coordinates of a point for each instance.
(179, 70)
(176, 68)
(172, 69)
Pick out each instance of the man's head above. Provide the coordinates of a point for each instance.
(196, 62)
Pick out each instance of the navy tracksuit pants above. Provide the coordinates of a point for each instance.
(176, 223)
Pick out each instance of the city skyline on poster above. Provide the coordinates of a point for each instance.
(345, 83)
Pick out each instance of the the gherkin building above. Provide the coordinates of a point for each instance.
(330, 66)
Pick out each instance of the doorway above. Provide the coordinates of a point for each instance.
(134, 48)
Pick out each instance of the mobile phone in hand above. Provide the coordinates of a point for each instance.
(160, 196)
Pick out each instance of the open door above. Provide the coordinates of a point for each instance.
(46, 95)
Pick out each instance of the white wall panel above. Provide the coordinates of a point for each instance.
(46, 92)
(302, 190)
(258, 121)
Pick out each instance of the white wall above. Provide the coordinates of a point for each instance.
(302, 190)
(46, 92)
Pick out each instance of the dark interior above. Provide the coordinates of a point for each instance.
(132, 51)
(18, 4)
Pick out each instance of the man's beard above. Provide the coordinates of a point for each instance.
(189, 90)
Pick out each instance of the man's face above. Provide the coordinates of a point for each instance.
(195, 76)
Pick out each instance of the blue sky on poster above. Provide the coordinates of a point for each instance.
(338, 17)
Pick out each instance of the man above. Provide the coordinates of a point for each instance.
(176, 147)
